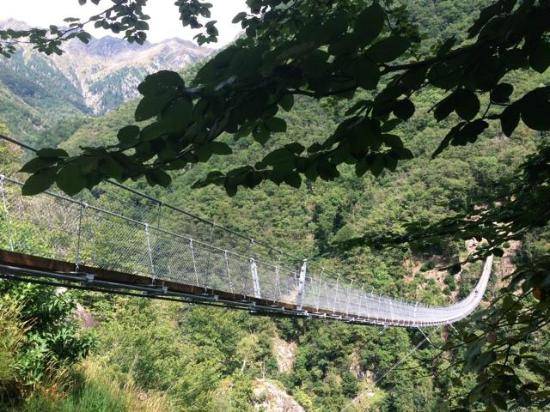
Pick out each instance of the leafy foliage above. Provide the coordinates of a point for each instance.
(315, 218)
(123, 16)
(426, 207)
(321, 52)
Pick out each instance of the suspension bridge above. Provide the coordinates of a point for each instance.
(118, 240)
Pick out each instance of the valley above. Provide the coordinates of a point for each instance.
(84, 351)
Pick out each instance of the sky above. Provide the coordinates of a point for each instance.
(164, 23)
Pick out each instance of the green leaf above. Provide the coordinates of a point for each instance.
(361, 167)
(87, 163)
(261, 133)
(230, 189)
(334, 26)
(446, 46)
(470, 132)
(70, 179)
(539, 60)
(161, 82)
(509, 119)
(177, 116)
(444, 107)
(501, 93)
(219, 148)
(240, 16)
(466, 104)
(215, 177)
(402, 153)
(404, 109)
(364, 135)
(36, 164)
(287, 102)
(535, 109)
(52, 153)
(128, 135)
(206, 151)
(326, 170)
(370, 23)
(447, 139)
(499, 401)
(484, 359)
(377, 164)
(293, 180)
(152, 131)
(158, 177)
(111, 168)
(391, 124)
(278, 156)
(158, 90)
(390, 161)
(295, 147)
(276, 124)
(345, 44)
(84, 37)
(39, 182)
(442, 75)
(498, 252)
(366, 72)
(150, 106)
(414, 78)
(392, 141)
(388, 49)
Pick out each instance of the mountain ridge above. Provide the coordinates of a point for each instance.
(87, 80)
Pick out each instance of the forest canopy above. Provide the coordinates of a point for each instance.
(368, 55)
(371, 62)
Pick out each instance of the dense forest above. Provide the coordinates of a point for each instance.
(148, 355)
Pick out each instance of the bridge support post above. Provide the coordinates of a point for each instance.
(361, 294)
(255, 279)
(209, 264)
(335, 295)
(228, 273)
(348, 293)
(79, 235)
(150, 251)
(194, 262)
(379, 303)
(301, 285)
(319, 286)
(278, 283)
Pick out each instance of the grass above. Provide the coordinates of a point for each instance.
(94, 389)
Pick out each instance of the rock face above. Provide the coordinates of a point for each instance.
(284, 353)
(271, 398)
(92, 78)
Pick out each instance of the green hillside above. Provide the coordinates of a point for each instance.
(207, 359)
(332, 360)
(38, 103)
(159, 356)
(35, 124)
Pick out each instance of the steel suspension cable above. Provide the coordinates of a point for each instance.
(25, 146)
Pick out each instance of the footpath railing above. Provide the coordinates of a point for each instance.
(104, 234)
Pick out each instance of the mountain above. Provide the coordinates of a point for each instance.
(39, 91)
(158, 355)
(204, 359)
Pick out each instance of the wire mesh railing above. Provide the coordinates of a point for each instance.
(97, 230)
